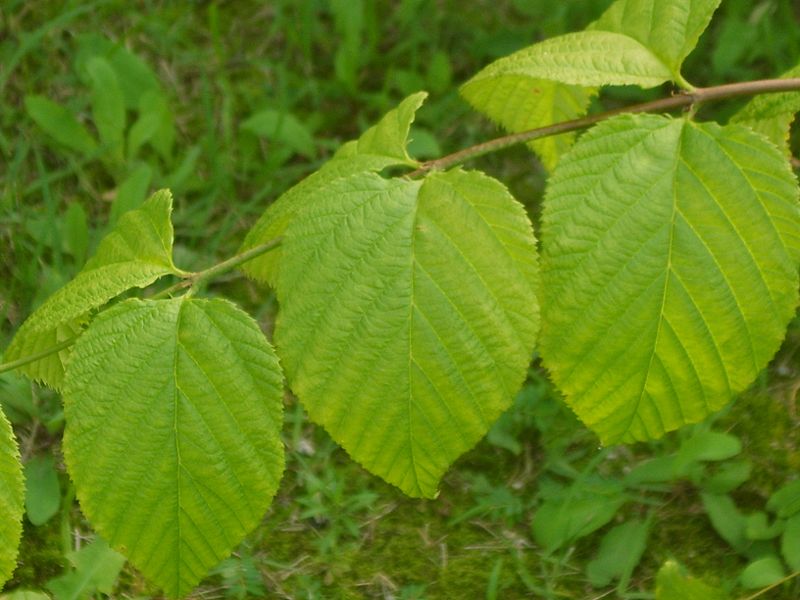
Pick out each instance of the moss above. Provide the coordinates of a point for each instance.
(40, 556)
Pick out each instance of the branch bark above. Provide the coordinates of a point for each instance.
(685, 99)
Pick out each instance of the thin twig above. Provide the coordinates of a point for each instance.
(192, 280)
(681, 100)
(689, 98)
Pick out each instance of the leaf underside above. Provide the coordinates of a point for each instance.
(588, 58)
(669, 29)
(173, 412)
(670, 254)
(134, 254)
(381, 146)
(635, 42)
(519, 103)
(408, 317)
(12, 495)
(772, 114)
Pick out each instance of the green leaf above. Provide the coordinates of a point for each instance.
(134, 75)
(11, 500)
(579, 511)
(42, 492)
(729, 523)
(95, 569)
(707, 446)
(108, 108)
(519, 102)
(587, 58)
(60, 124)
(194, 457)
(24, 595)
(660, 469)
(785, 501)
(131, 192)
(155, 125)
(670, 256)
(136, 253)
(758, 528)
(762, 572)
(673, 584)
(430, 287)
(381, 146)
(728, 477)
(76, 232)
(772, 114)
(620, 551)
(790, 543)
(282, 128)
(667, 28)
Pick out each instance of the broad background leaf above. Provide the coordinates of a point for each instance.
(670, 254)
(108, 107)
(60, 124)
(134, 254)
(426, 287)
(381, 146)
(772, 114)
(195, 395)
(284, 128)
(96, 568)
(12, 494)
(42, 491)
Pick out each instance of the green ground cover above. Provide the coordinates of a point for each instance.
(230, 104)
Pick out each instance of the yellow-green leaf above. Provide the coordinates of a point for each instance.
(408, 316)
(670, 257)
(194, 393)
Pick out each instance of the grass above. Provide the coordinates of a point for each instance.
(334, 531)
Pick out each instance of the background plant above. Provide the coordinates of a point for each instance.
(498, 571)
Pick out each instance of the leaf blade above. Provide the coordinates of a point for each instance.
(365, 268)
(195, 456)
(655, 234)
(12, 494)
(60, 124)
(669, 28)
(772, 114)
(136, 253)
(519, 103)
(381, 146)
(586, 58)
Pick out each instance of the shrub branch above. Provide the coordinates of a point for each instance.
(685, 99)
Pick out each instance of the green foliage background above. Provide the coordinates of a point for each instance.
(258, 96)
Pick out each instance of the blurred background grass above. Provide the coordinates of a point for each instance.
(234, 102)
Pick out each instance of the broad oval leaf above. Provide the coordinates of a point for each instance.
(772, 114)
(173, 414)
(134, 254)
(108, 107)
(587, 58)
(670, 253)
(408, 316)
(668, 28)
(12, 498)
(519, 102)
(381, 146)
(60, 124)
(283, 128)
